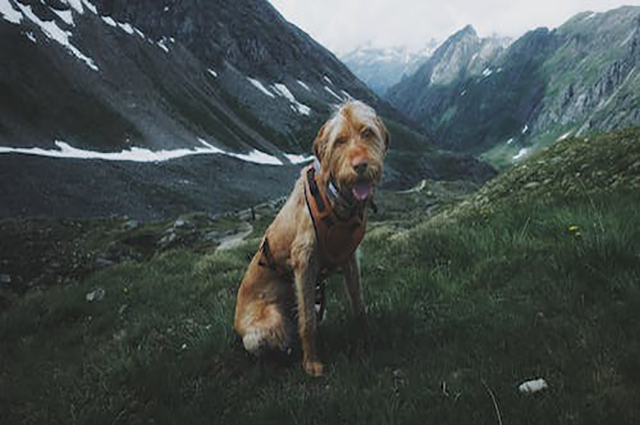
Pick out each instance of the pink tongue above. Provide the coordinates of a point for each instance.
(361, 190)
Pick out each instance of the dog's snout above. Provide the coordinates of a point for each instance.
(360, 165)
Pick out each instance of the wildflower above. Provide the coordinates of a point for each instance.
(575, 230)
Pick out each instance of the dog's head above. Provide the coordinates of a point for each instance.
(351, 147)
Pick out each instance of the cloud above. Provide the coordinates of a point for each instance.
(342, 25)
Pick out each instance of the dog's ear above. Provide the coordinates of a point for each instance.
(320, 144)
(384, 132)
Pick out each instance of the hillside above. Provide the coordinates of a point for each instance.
(547, 85)
(137, 99)
(536, 275)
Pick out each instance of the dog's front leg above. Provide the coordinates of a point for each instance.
(354, 289)
(305, 282)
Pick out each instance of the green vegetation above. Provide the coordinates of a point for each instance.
(536, 275)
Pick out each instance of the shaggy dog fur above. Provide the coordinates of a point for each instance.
(350, 148)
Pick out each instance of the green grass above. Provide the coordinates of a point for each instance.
(465, 304)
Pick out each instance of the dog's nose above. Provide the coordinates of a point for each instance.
(360, 165)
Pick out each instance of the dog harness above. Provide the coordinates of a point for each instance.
(338, 237)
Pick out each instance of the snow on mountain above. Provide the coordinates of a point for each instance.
(381, 68)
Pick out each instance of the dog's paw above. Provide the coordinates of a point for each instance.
(314, 369)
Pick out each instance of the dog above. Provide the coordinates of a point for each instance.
(317, 230)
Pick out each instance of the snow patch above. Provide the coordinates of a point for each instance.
(31, 37)
(140, 33)
(591, 16)
(141, 155)
(300, 108)
(109, 21)
(52, 31)
(9, 13)
(76, 4)
(347, 95)
(521, 154)
(212, 72)
(629, 37)
(162, 45)
(257, 84)
(302, 83)
(126, 28)
(463, 93)
(510, 141)
(487, 72)
(332, 93)
(90, 6)
(525, 128)
(257, 157)
(564, 136)
(65, 15)
(297, 159)
(327, 79)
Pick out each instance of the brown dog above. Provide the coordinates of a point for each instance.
(318, 229)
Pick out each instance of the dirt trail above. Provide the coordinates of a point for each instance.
(232, 241)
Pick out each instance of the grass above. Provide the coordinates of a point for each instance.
(465, 304)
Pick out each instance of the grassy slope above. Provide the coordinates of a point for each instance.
(536, 275)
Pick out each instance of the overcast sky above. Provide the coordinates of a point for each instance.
(342, 25)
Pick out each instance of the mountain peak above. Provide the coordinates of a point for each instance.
(467, 30)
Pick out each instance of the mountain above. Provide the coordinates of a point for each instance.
(115, 91)
(547, 85)
(381, 68)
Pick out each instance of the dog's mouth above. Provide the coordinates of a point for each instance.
(362, 190)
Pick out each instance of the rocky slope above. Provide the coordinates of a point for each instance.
(546, 86)
(381, 68)
(147, 81)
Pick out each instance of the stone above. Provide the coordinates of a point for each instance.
(531, 185)
(131, 225)
(5, 279)
(96, 295)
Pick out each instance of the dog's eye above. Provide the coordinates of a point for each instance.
(367, 134)
(340, 141)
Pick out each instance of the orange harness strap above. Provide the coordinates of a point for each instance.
(337, 238)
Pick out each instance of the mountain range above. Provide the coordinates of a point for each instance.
(117, 90)
(505, 101)
(381, 68)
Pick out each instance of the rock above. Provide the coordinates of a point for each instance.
(5, 279)
(167, 239)
(131, 225)
(212, 236)
(104, 260)
(96, 295)
(531, 185)
(533, 386)
(181, 223)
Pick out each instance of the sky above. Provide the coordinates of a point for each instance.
(343, 25)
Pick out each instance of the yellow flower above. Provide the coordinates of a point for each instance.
(574, 228)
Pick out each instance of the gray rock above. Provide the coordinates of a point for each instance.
(131, 225)
(531, 185)
(104, 260)
(167, 239)
(212, 236)
(97, 295)
(5, 279)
